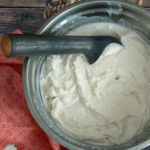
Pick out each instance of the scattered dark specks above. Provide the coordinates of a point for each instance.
(117, 78)
(53, 97)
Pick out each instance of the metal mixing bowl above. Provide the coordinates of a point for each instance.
(117, 11)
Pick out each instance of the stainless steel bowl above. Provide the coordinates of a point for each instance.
(117, 11)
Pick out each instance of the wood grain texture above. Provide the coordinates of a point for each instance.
(28, 20)
(41, 3)
(22, 3)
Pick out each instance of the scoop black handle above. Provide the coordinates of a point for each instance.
(15, 45)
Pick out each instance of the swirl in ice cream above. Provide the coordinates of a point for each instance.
(107, 102)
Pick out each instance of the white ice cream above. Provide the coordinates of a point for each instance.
(107, 102)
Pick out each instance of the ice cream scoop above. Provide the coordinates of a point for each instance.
(42, 45)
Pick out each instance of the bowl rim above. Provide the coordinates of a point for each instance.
(81, 3)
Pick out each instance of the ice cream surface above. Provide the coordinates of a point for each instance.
(107, 102)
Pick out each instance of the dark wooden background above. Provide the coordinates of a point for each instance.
(27, 15)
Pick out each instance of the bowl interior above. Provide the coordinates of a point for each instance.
(94, 11)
